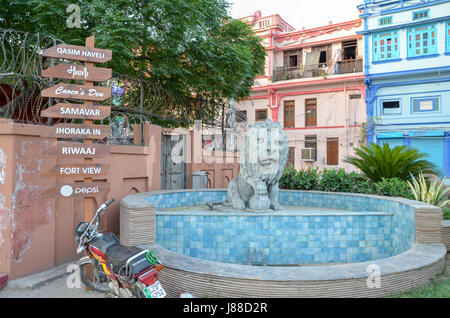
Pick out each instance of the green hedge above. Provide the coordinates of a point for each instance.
(338, 180)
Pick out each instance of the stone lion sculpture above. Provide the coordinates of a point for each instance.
(263, 157)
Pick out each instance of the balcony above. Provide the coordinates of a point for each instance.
(319, 70)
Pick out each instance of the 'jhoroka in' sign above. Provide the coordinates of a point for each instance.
(76, 131)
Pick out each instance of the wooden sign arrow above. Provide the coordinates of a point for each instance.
(77, 111)
(79, 53)
(76, 189)
(78, 72)
(78, 150)
(77, 170)
(94, 93)
(76, 131)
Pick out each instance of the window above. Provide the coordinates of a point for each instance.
(241, 116)
(292, 58)
(289, 114)
(349, 49)
(291, 157)
(311, 142)
(447, 32)
(386, 46)
(385, 21)
(260, 114)
(422, 40)
(332, 151)
(264, 24)
(427, 104)
(325, 54)
(311, 112)
(391, 107)
(422, 14)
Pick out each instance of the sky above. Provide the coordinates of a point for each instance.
(300, 13)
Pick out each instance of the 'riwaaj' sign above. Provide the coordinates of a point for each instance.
(79, 53)
(78, 150)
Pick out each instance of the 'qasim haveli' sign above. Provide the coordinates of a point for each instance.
(79, 53)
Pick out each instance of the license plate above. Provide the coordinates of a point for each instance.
(155, 291)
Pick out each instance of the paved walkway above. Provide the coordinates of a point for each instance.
(54, 289)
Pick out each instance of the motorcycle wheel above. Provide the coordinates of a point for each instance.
(99, 281)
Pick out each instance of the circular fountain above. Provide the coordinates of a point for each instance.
(254, 240)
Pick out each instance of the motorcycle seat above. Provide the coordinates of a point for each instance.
(117, 256)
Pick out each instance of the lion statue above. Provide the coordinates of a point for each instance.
(263, 157)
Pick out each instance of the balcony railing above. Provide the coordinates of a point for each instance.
(320, 70)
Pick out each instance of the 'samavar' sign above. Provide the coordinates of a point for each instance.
(77, 111)
(87, 111)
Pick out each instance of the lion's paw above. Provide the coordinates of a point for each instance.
(238, 205)
(276, 206)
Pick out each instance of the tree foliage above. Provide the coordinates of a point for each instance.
(188, 47)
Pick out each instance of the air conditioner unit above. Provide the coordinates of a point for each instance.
(308, 154)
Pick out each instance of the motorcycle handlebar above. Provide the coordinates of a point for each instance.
(110, 201)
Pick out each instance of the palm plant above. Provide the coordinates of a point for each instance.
(433, 195)
(377, 162)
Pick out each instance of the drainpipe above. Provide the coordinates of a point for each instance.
(346, 112)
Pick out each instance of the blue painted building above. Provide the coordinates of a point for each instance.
(407, 71)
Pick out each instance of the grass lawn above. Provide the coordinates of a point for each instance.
(438, 288)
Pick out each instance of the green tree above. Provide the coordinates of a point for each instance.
(377, 162)
(188, 47)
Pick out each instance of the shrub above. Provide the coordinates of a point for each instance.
(377, 162)
(429, 193)
(393, 187)
(300, 180)
(338, 180)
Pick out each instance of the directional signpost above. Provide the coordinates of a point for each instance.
(88, 112)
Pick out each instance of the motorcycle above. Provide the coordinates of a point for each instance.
(114, 269)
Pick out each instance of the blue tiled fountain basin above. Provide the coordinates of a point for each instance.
(315, 228)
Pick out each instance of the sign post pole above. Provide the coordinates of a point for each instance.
(89, 206)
